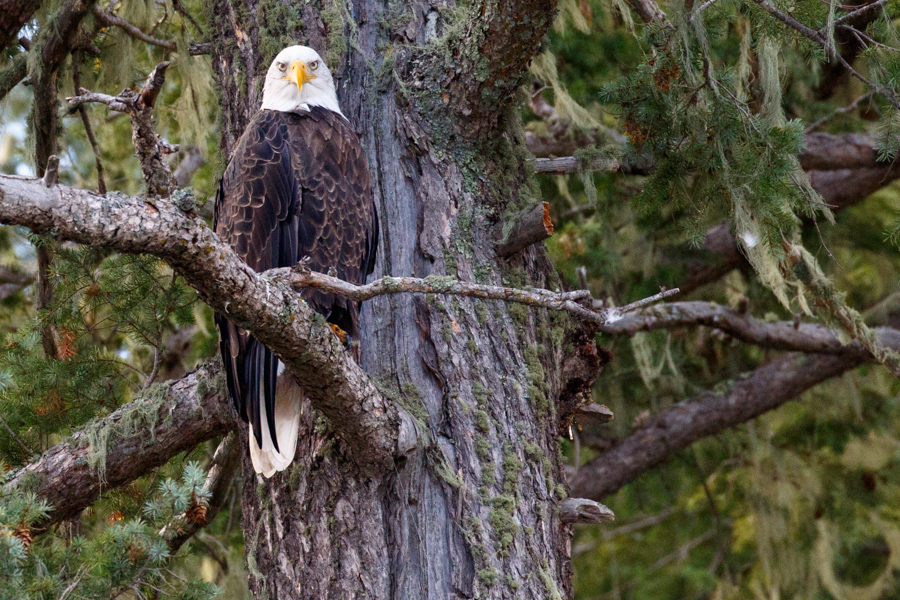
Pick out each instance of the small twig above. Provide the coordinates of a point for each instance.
(850, 107)
(78, 576)
(88, 130)
(682, 551)
(152, 377)
(31, 453)
(646, 301)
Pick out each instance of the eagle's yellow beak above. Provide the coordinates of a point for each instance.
(298, 74)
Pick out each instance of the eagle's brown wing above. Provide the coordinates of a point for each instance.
(257, 213)
(296, 186)
(338, 226)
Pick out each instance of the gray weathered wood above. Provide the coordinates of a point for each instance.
(474, 513)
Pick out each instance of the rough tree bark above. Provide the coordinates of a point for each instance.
(432, 91)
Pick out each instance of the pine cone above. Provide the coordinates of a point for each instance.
(196, 514)
(24, 533)
(135, 552)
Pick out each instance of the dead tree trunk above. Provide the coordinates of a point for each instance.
(434, 93)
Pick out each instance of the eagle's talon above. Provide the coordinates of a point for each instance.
(340, 333)
(302, 267)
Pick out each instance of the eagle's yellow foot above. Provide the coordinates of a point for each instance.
(340, 333)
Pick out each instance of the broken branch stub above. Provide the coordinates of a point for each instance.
(527, 228)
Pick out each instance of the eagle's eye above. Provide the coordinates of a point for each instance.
(314, 65)
(282, 66)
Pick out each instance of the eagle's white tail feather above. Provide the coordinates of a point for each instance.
(288, 404)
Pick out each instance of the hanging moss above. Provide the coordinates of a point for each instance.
(139, 415)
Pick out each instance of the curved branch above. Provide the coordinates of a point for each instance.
(185, 413)
(710, 413)
(373, 428)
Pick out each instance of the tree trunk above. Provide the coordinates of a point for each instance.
(473, 513)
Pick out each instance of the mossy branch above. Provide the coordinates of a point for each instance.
(137, 438)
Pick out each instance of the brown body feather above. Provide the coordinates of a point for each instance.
(297, 185)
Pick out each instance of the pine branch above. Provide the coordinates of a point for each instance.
(710, 413)
(187, 412)
(219, 481)
(819, 38)
(374, 428)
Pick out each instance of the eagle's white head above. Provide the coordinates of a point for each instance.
(298, 79)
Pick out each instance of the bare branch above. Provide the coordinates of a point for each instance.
(188, 412)
(805, 337)
(571, 164)
(525, 229)
(373, 428)
(148, 145)
(582, 510)
(674, 429)
(109, 19)
(86, 121)
(299, 277)
(113, 102)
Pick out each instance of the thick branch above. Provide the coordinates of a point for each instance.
(187, 412)
(13, 15)
(674, 429)
(526, 229)
(373, 428)
(13, 73)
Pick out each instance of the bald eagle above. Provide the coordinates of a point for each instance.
(297, 185)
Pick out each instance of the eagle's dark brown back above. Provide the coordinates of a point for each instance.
(297, 185)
